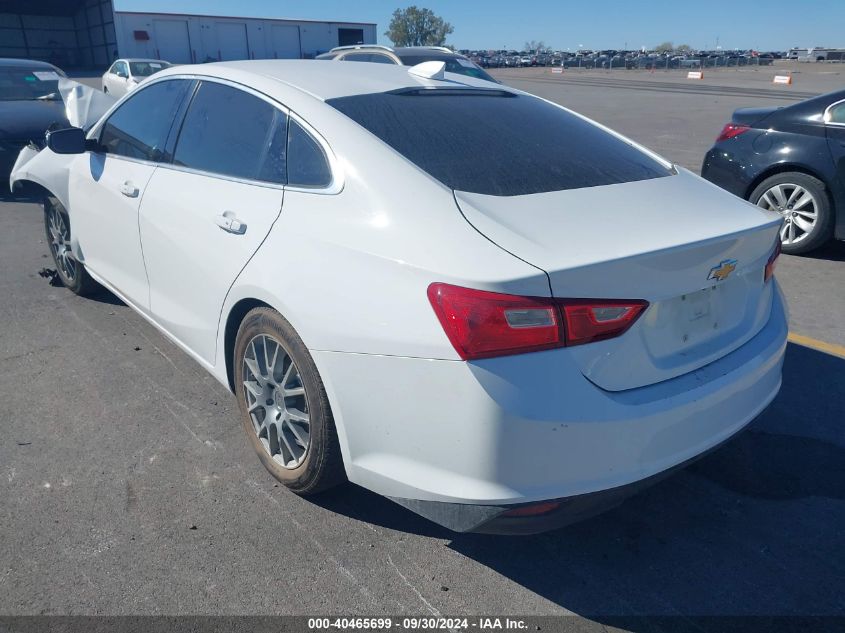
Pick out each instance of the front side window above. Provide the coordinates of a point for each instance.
(145, 69)
(139, 128)
(233, 133)
(496, 142)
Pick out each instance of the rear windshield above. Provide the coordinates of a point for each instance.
(28, 84)
(457, 65)
(497, 143)
(145, 69)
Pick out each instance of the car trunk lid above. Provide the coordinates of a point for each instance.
(695, 253)
(751, 116)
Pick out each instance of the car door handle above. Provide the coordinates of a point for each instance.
(229, 222)
(129, 190)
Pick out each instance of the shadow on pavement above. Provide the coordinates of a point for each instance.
(753, 529)
(833, 251)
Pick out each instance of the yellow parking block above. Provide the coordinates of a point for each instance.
(820, 346)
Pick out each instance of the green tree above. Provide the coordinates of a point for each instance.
(684, 49)
(665, 47)
(418, 27)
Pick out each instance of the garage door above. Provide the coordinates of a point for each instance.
(231, 40)
(285, 41)
(172, 42)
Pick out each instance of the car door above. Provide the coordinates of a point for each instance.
(108, 78)
(118, 78)
(205, 215)
(106, 186)
(835, 130)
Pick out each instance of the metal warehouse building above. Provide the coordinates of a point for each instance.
(67, 33)
(184, 39)
(90, 33)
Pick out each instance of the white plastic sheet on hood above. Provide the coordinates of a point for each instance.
(84, 105)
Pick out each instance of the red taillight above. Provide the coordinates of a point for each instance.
(483, 324)
(731, 130)
(773, 260)
(589, 320)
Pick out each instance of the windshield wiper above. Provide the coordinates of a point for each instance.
(50, 97)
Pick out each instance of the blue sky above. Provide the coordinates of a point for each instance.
(767, 25)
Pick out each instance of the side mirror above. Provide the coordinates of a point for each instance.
(68, 141)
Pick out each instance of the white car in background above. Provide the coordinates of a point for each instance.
(125, 74)
(504, 332)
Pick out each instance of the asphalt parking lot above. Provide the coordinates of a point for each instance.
(128, 487)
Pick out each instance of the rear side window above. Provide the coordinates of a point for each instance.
(232, 133)
(139, 127)
(497, 143)
(307, 163)
(366, 57)
(837, 114)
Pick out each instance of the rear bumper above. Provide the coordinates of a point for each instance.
(462, 443)
(568, 510)
(728, 169)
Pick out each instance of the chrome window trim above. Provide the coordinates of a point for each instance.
(334, 187)
(826, 116)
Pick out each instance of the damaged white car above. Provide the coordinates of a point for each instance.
(496, 312)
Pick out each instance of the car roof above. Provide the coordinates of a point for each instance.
(324, 80)
(432, 51)
(419, 50)
(31, 63)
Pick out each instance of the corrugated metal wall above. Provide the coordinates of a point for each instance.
(70, 34)
(184, 38)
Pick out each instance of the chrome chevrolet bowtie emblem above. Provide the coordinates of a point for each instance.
(722, 270)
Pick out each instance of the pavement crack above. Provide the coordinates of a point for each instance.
(413, 588)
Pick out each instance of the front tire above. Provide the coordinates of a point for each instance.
(284, 408)
(71, 272)
(804, 203)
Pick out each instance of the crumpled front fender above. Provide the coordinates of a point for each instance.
(44, 168)
(84, 107)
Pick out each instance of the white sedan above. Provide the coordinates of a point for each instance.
(478, 303)
(125, 74)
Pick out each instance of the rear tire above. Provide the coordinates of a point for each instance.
(70, 271)
(805, 205)
(284, 407)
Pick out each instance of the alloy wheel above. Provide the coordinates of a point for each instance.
(798, 208)
(60, 243)
(276, 401)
